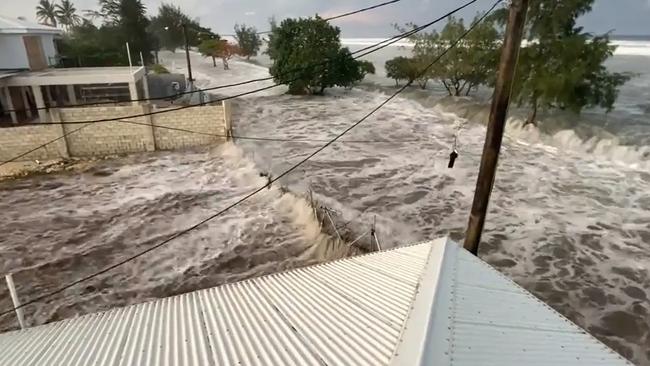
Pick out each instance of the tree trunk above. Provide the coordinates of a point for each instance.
(214, 62)
(469, 90)
(446, 87)
(462, 88)
(225, 63)
(532, 117)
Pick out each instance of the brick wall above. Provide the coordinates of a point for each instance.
(18, 140)
(107, 138)
(194, 119)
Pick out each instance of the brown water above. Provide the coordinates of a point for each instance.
(572, 225)
(59, 228)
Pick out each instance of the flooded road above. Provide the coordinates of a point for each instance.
(570, 226)
(59, 228)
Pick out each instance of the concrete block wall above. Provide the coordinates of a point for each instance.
(115, 137)
(200, 119)
(18, 140)
(107, 138)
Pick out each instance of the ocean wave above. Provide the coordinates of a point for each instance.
(611, 149)
(623, 48)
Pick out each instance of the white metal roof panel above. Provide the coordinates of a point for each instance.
(477, 316)
(430, 304)
(342, 312)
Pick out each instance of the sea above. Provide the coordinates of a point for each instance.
(569, 217)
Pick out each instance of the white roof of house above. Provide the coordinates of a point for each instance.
(427, 304)
(78, 76)
(19, 26)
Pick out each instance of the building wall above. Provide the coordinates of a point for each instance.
(48, 49)
(108, 138)
(12, 54)
(18, 140)
(193, 119)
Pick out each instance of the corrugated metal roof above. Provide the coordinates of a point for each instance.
(431, 303)
(477, 316)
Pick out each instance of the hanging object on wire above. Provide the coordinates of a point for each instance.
(454, 153)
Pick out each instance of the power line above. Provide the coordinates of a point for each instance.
(271, 181)
(380, 45)
(340, 15)
(272, 139)
(216, 87)
(361, 10)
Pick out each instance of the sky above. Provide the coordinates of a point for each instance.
(625, 17)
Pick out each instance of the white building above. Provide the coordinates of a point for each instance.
(30, 85)
(25, 45)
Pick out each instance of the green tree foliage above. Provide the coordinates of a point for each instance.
(367, 67)
(402, 68)
(133, 27)
(46, 12)
(66, 14)
(307, 56)
(123, 21)
(87, 45)
(210, 48)
(219, 48)
(248, 40)
(167, 28)
(159, 69)
(463, 68)
(563, 66)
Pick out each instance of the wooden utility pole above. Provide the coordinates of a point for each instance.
(187, 54)
(496, 124)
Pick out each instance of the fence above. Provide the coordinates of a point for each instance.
(115, 137)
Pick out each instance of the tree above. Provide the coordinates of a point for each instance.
(66, 14)
(210, 48)
(87, 45)
(219, 48)
(46, 12)
(133, 24)
(563, 66)
(248, 40)
(226, 51)
(367, 67)
(463, 68)
(167, 28)
(401, 68)
(307, 56)
(123, 21)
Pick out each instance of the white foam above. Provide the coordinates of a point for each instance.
(628, 48)
(634, 157)
(632, 48)
(372, 41)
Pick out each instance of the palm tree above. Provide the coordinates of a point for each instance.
(46, 12)
(66, 13)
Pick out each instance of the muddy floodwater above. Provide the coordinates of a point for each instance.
(569, 217)
(59, 228)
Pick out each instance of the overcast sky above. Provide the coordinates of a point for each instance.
(627, 17)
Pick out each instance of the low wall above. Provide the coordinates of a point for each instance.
(116, 137)
(194, 119)
(19, 140)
